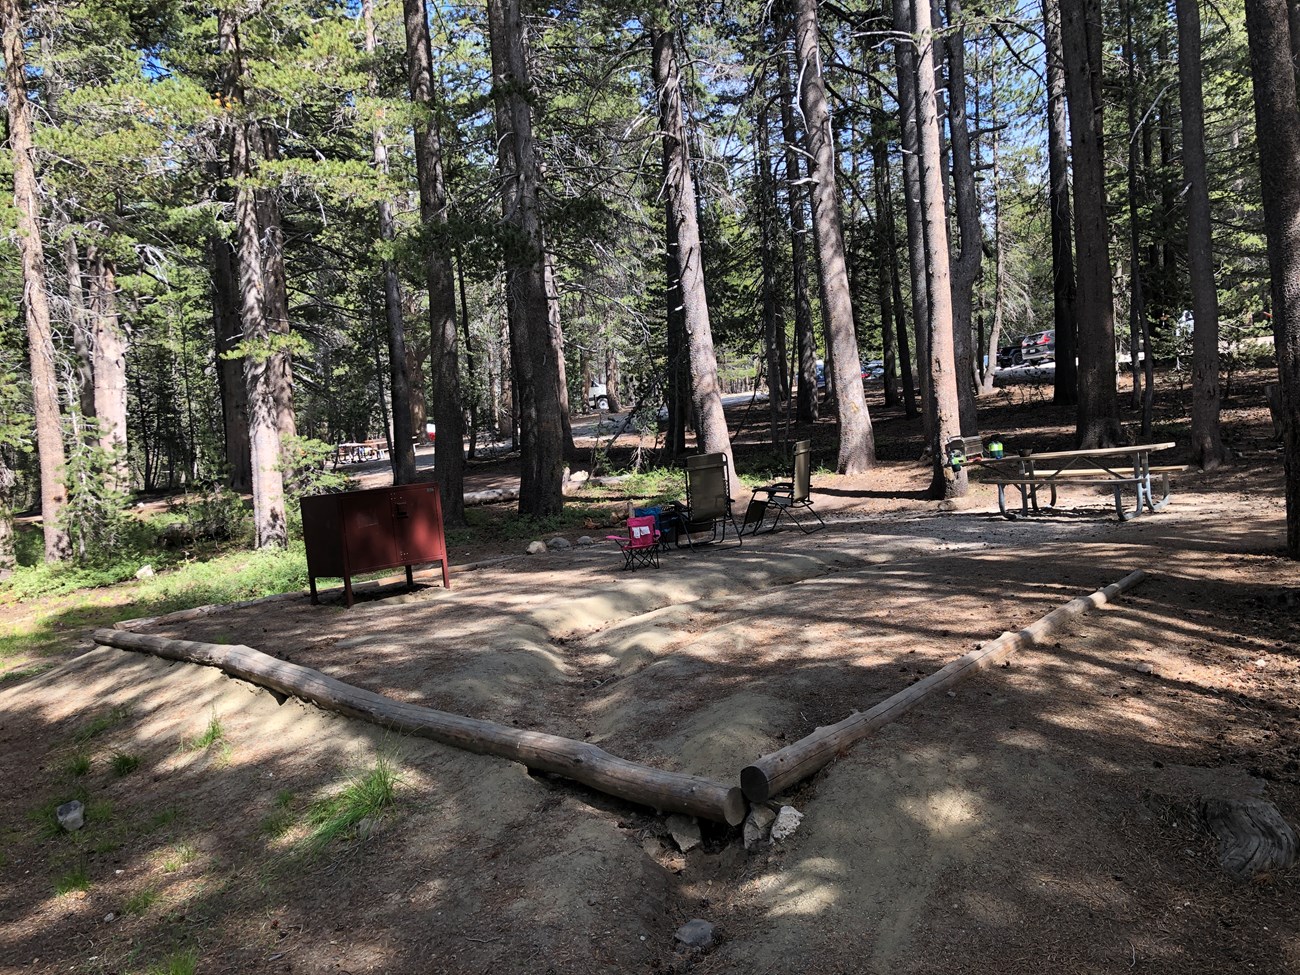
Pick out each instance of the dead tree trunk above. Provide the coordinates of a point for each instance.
(1207, 445)
(230, 371)
(109, 356)
(533, 351)
(1277, 127)
(36, 304)
(857, 440)
(706, 395)
(1098, 415)
(444, 356)
(82, 337)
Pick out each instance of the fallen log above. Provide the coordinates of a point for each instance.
(781, 769)
(577, 760)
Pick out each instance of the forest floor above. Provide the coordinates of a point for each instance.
(1041, 818)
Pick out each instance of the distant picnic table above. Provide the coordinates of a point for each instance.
(359, 451)
(1113, 467)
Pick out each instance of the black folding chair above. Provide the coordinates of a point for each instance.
(708, 501)
(786, 496)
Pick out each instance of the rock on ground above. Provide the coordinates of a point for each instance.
(787, 821)
(695, 933)
(757, 824)
(685, 831)
(536, 548)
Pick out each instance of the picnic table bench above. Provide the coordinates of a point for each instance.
(357, 452)
(1113, 467)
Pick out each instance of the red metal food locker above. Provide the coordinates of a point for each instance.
(364, 531)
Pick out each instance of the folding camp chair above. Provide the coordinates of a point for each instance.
(640, 546)
(786, 496)
(708, 500)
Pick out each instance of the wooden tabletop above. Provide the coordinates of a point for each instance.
(1095, 452)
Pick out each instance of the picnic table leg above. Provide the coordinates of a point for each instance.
(1002, 503)
(1164, 493)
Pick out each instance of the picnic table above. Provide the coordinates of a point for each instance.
(359, 451)
(1113, 467)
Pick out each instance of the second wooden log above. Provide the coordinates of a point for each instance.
(779, 770)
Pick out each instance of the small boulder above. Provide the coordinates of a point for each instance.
(695, 934)
(536, 548)
(1145, 668)
(559, 544)
(757, 825)
(787, 821)
(144, 572)
(586, 540)
(685, 831)
(71, 815)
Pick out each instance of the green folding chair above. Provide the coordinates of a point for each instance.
(708, 501)
(786, 496)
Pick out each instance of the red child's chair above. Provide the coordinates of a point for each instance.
(641, 544)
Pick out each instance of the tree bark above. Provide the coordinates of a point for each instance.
(36, 303)
(109, 351)
(773, 325)
(1066, 383)
(905, 58)
(807, 405)
(403, 453)
(1137, 308)
(533, 351)
(999, 278)
(966, 267)
(1277, 127)
(1207, 445)
(230, 372)
(896, 284)
(555, 323)
(884, 265)
(706, 395)
(942, 364)
(678, 395)
(82, 339)
(1098, 414)
(270, 527)
(857, 440)
(444, 357)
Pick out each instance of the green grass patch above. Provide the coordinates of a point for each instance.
(365, 796)
(181, 854)
(162, 819)
(140, 902)
(21, 673)
(76, 765)
(123, 764)
(74, 880)
(281, 818)
(184, 962)
(210, 735)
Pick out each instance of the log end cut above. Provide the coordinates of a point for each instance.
(1254, 839)
(755, 783)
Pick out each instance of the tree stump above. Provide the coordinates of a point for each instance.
(1254, 839)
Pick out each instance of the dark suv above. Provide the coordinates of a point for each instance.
(1039, 347)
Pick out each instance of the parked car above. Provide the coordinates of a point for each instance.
(873, 371)
(1039, 347)
(1009, 355)
(431, 432)
(598, 397)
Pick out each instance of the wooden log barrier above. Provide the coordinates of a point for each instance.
(776, 772)
(577, 760)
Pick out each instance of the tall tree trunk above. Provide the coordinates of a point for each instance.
(1277, 128)
(1098, 415)
(999, 275)
(1137, 308)
(542, 450)
(773, 325)
(805, 337)
(612, 379)
(110, 345)
(230, 371)
(706, 395)
(1065, 390)
(678, 395)
(938, 285)
(905, 58)
(40, 340)
(857, 440)
(1207, 446)
(884, 265)
(555, 323)
(966, 267)
(896, 284)
(270, 527)
(265, 143)
(403, 453)
(82, 339)
(444, 358)
(471, 365)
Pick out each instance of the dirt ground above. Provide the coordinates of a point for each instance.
(1040, 818)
